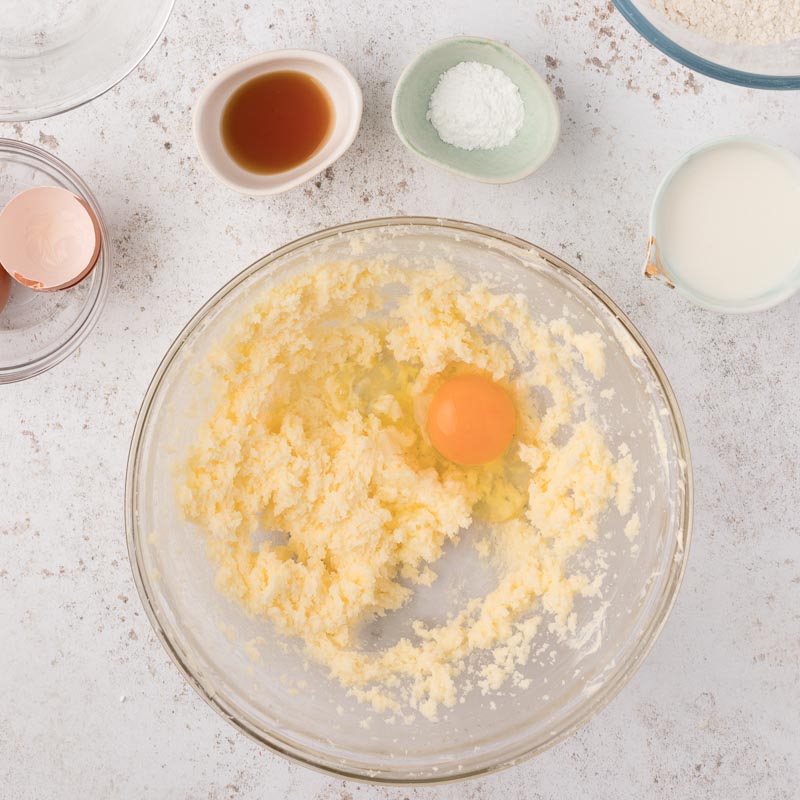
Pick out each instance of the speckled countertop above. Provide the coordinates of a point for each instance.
(91, 705)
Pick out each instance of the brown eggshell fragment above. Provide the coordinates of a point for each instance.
(5, 288)
(49, 238)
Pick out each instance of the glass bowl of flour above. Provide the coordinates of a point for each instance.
(754, 44)
(367, 703)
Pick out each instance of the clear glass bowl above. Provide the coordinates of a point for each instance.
(205, 633)
(40, 329)
(660, 267)
(58, 54)
(769, 66)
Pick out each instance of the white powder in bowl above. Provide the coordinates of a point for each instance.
(750, 21)
(476, 107)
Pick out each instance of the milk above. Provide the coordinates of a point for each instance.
(727, 222)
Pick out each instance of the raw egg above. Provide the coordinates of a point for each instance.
(471, 420)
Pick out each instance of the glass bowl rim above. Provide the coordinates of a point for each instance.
(273, 741)
(79, 99)
(101, 271)
(659, 40)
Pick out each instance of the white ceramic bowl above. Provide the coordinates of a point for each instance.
(345, 95)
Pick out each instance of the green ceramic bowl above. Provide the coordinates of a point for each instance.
(532, 146)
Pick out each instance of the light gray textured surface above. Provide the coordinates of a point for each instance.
(92, 707)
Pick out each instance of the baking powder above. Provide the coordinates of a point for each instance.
(476, 107)
(751, 21)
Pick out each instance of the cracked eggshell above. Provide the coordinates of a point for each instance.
(49, 239)
(5, 288)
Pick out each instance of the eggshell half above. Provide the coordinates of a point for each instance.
(49, 238)
(5, 288)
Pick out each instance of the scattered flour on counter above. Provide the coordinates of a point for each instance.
(476, 107)
(750, 21)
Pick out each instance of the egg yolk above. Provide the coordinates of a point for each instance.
(471, 420)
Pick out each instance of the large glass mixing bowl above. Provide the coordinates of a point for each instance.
(758, 66)
(58, 54)
(210, 638)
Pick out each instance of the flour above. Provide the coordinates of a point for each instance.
(747, 21)
(476, 107)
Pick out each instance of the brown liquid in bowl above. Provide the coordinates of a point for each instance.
(276, 121)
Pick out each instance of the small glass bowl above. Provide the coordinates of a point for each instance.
(658, 267)
(757, 66)
(219, 648)
(59, 54)
(40, 329)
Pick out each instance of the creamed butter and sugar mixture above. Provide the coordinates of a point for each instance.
(318, 435)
